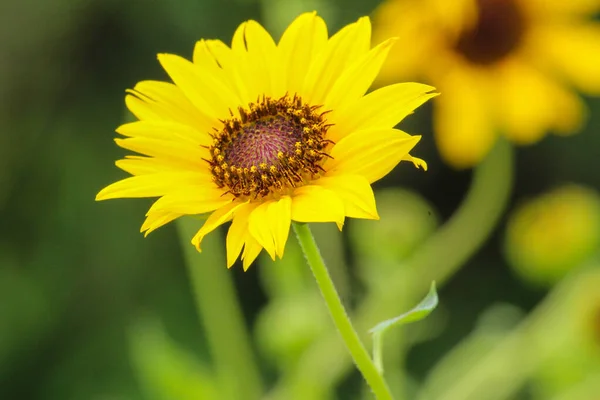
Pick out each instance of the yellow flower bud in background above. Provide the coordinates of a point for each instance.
(548, 236)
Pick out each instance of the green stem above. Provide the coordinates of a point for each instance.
(220, 314)
(470, 226)
(338, 313)
(377, 351)
(437, 259)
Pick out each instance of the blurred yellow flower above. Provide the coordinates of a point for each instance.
(264, 134)
(548, 236)
(500, 64)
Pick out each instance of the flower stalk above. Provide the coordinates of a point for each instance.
(342, 322)
(221, 317)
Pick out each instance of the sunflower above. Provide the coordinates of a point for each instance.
(503, 66)
(262, 134)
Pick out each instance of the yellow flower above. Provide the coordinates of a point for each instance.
(262, 134)
(501, 65)
(549, 235)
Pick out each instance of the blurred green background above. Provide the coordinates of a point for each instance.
(76, 275)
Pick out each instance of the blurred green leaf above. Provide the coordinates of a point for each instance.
(420, 311)
(165, 370)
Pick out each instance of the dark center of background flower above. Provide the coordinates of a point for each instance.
(275, 145)
(499, 29)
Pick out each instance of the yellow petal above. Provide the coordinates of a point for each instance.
(259, 224)
(370, 153)
(573, 50)
(414, 30)
(383, 108)
(180, 154)
(238, 232)
(463, 119)
(204, 57)
(356, 193)
(155, 100)
(264, 60)
(530, 104)
(342, 50)
(208, 94)
(156, 220)
(139, 165)
(193, 199)
(216, 219)
(280, 213)
(166, 130)
(143, 109)
(251, 250)
(269, 224)
(313, 203)
(153, 185)
(300, 44)
(417, 162)
(233, 68)
(354, 82)
(255, 51)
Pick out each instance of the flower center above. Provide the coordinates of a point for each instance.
(499, 29)
(274, 145)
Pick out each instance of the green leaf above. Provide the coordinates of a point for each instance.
(420, 311)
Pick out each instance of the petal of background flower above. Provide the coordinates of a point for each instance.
(562, 7)
(312, 203)
(157, 100)
(202, 89)
(572, 49)
(354, 82)
(370, 153)
(152, 185)
(418, 40)
(382, 108)
(463, 119)
(216, 219)
(341, 50)
(356, 193)
(302, 41)
(530, 104)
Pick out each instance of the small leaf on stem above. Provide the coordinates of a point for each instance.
(420, 311)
